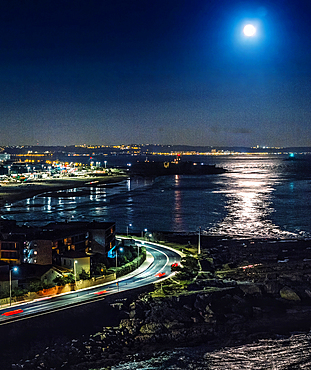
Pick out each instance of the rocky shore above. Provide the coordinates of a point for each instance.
(243, 291)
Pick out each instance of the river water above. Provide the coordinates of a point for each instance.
(258, 197)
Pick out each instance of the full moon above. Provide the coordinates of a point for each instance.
(249, 30)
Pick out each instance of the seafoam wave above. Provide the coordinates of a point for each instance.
(281, 354)
(274, 354)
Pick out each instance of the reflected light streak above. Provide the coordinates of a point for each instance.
(96, 191)
(249, 199)
(128, 184)
(177, 217)
(49, 204)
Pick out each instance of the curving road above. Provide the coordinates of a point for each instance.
(159, 269)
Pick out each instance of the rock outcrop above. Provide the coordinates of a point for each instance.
(239, 305)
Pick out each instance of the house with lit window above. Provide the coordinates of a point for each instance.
(28, 274)
(48, 244)
(76, 261)
(89, 237)
(12, 239)
(102, 237)
(10, 251)
(38, 252)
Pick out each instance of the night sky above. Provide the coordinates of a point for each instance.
(159, 72)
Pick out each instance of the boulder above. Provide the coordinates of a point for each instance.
(271, 286)
(208, 310)
(171, 325)
(221, 305)
(249, 288)
(151, 328)
(202, 300)
(136, 310)
(132, 325)
(289, 294)
(242, 308)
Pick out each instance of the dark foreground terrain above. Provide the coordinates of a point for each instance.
(242, 291)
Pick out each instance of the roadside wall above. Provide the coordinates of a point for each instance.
(81, 284)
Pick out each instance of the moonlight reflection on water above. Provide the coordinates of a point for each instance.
(249, 203)
(257, 197)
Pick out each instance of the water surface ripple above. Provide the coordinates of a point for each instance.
(259, 197)
(274, 354)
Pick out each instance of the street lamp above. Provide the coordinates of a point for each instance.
(116, 261)
(199, 241)
(75, 272)
(127, 229)
(121, 249)
(137, 255)
(10, 278)
(142, 233)
(105, 164)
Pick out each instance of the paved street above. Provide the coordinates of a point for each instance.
(156, 267)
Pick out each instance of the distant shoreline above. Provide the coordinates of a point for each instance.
(14, 192)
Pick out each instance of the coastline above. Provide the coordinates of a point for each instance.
(15, 192)
(242, 295)
(227, 306)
